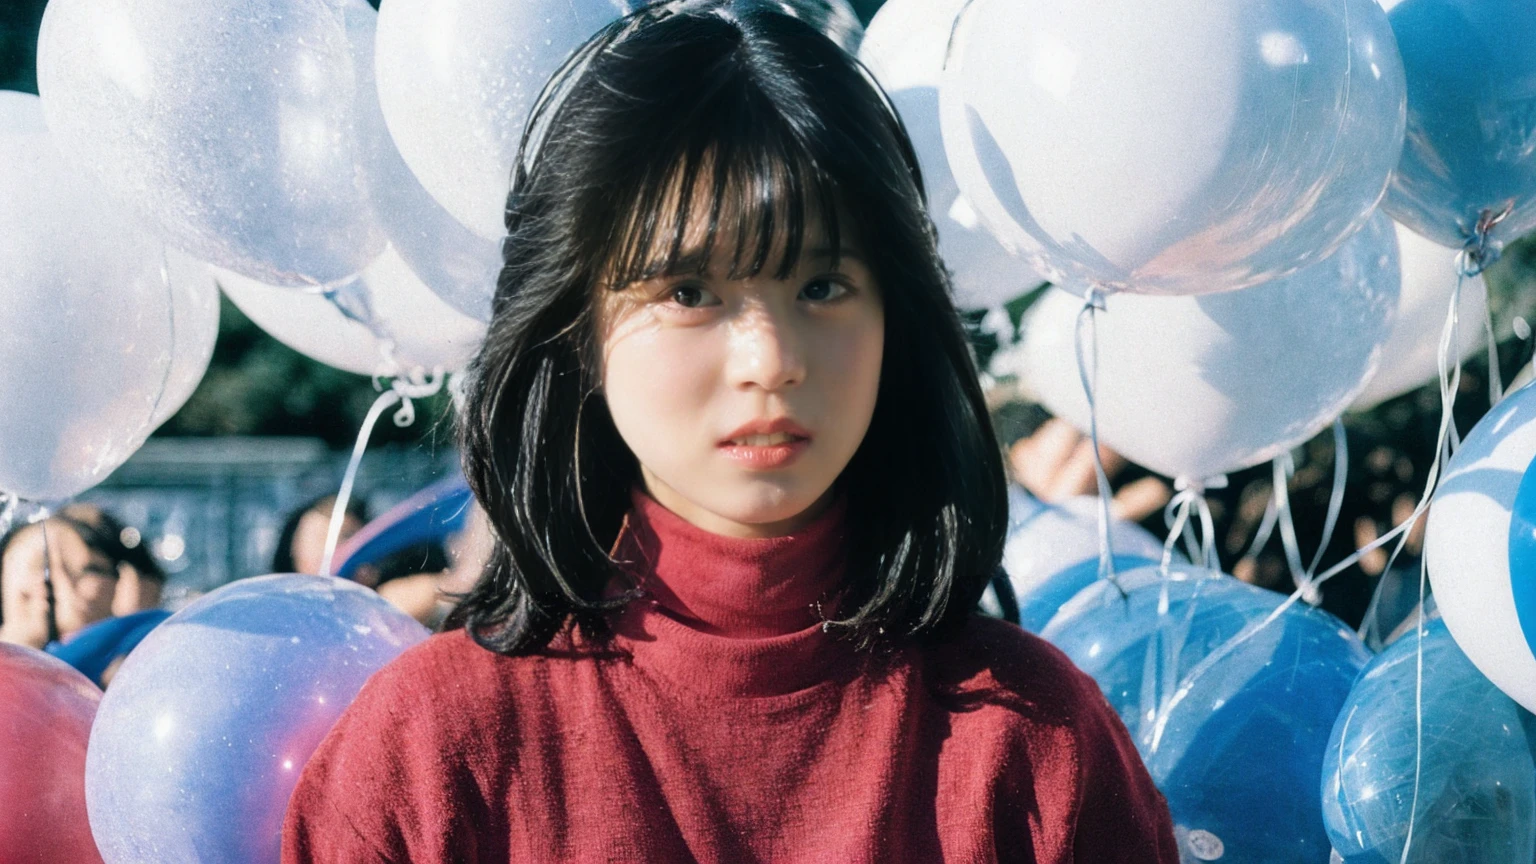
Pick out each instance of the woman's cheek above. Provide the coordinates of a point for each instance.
(657, 388)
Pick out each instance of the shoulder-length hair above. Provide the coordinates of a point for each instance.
(735, 103)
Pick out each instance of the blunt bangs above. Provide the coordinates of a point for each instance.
(744, 188)
(699, 133)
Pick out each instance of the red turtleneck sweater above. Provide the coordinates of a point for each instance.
(723, 725)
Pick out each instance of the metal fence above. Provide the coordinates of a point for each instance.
(211, 509)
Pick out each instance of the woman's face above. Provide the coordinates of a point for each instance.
(84, 582)
(743, 400)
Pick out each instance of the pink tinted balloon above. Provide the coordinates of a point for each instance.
(46, 709)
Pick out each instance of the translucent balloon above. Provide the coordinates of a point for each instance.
(1040, 604)
(454, 262)
(904, 48)
(1476, 781)
(195, 329)
(1480, 546)
(232, 127)
(1411, 355)
(45, 720)
(1180, 147)
(1199, 386)
(1470, 146)
(200, 740)
(412, 326)
(457, 79)
(1233, 736)
(1046, 539)
(86, 312)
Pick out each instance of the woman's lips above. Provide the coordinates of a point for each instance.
(765, 457)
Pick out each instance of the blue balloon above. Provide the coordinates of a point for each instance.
(1040, 604)
(1471, 139)
(1232, 730)
(1477, 781)
(99, 645)
(200, 740)
(430, 515)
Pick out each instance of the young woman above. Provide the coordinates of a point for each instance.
(731, 442)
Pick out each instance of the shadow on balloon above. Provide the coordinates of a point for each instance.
(1229, 693)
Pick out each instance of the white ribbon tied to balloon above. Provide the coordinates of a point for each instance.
(1410, 357)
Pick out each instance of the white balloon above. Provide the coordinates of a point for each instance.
(1179, 147)
(1411, 356)
(457, 80)
(195, 325)
(458, 265)
(904, 48)
(230, 126)
(1200, 386)
(426, 332)
(1046, 539)
(1478, 545)
(86, 315)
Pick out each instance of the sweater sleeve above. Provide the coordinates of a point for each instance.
(1121, 816)
(388, 784)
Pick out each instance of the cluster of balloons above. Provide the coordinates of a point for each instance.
(107, 331)
(193, 753)
(220, 707)
(1268, 210)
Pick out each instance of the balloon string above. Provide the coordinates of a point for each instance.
(1189, 498)
(1284, 467)
(48, 593)
(1335, 497)
(1088, 374)
(1266, 530)
(1495, 375)
(402, 391)
(1450, 380)
(1418, 712)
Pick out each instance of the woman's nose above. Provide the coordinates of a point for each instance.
(766, 350)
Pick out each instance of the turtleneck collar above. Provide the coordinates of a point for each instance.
(729, 586)
(738, 616)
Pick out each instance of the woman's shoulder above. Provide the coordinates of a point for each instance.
(453, 662)
(989, 661)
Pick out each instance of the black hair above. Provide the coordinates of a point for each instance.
(733, 103)
(109, 535)
(282, 559)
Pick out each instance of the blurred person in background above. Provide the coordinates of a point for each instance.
(425, 581)
(56, 577)
(301, 543)
(140, 579)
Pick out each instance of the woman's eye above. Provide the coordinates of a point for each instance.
(693, 297)
(822, 290)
